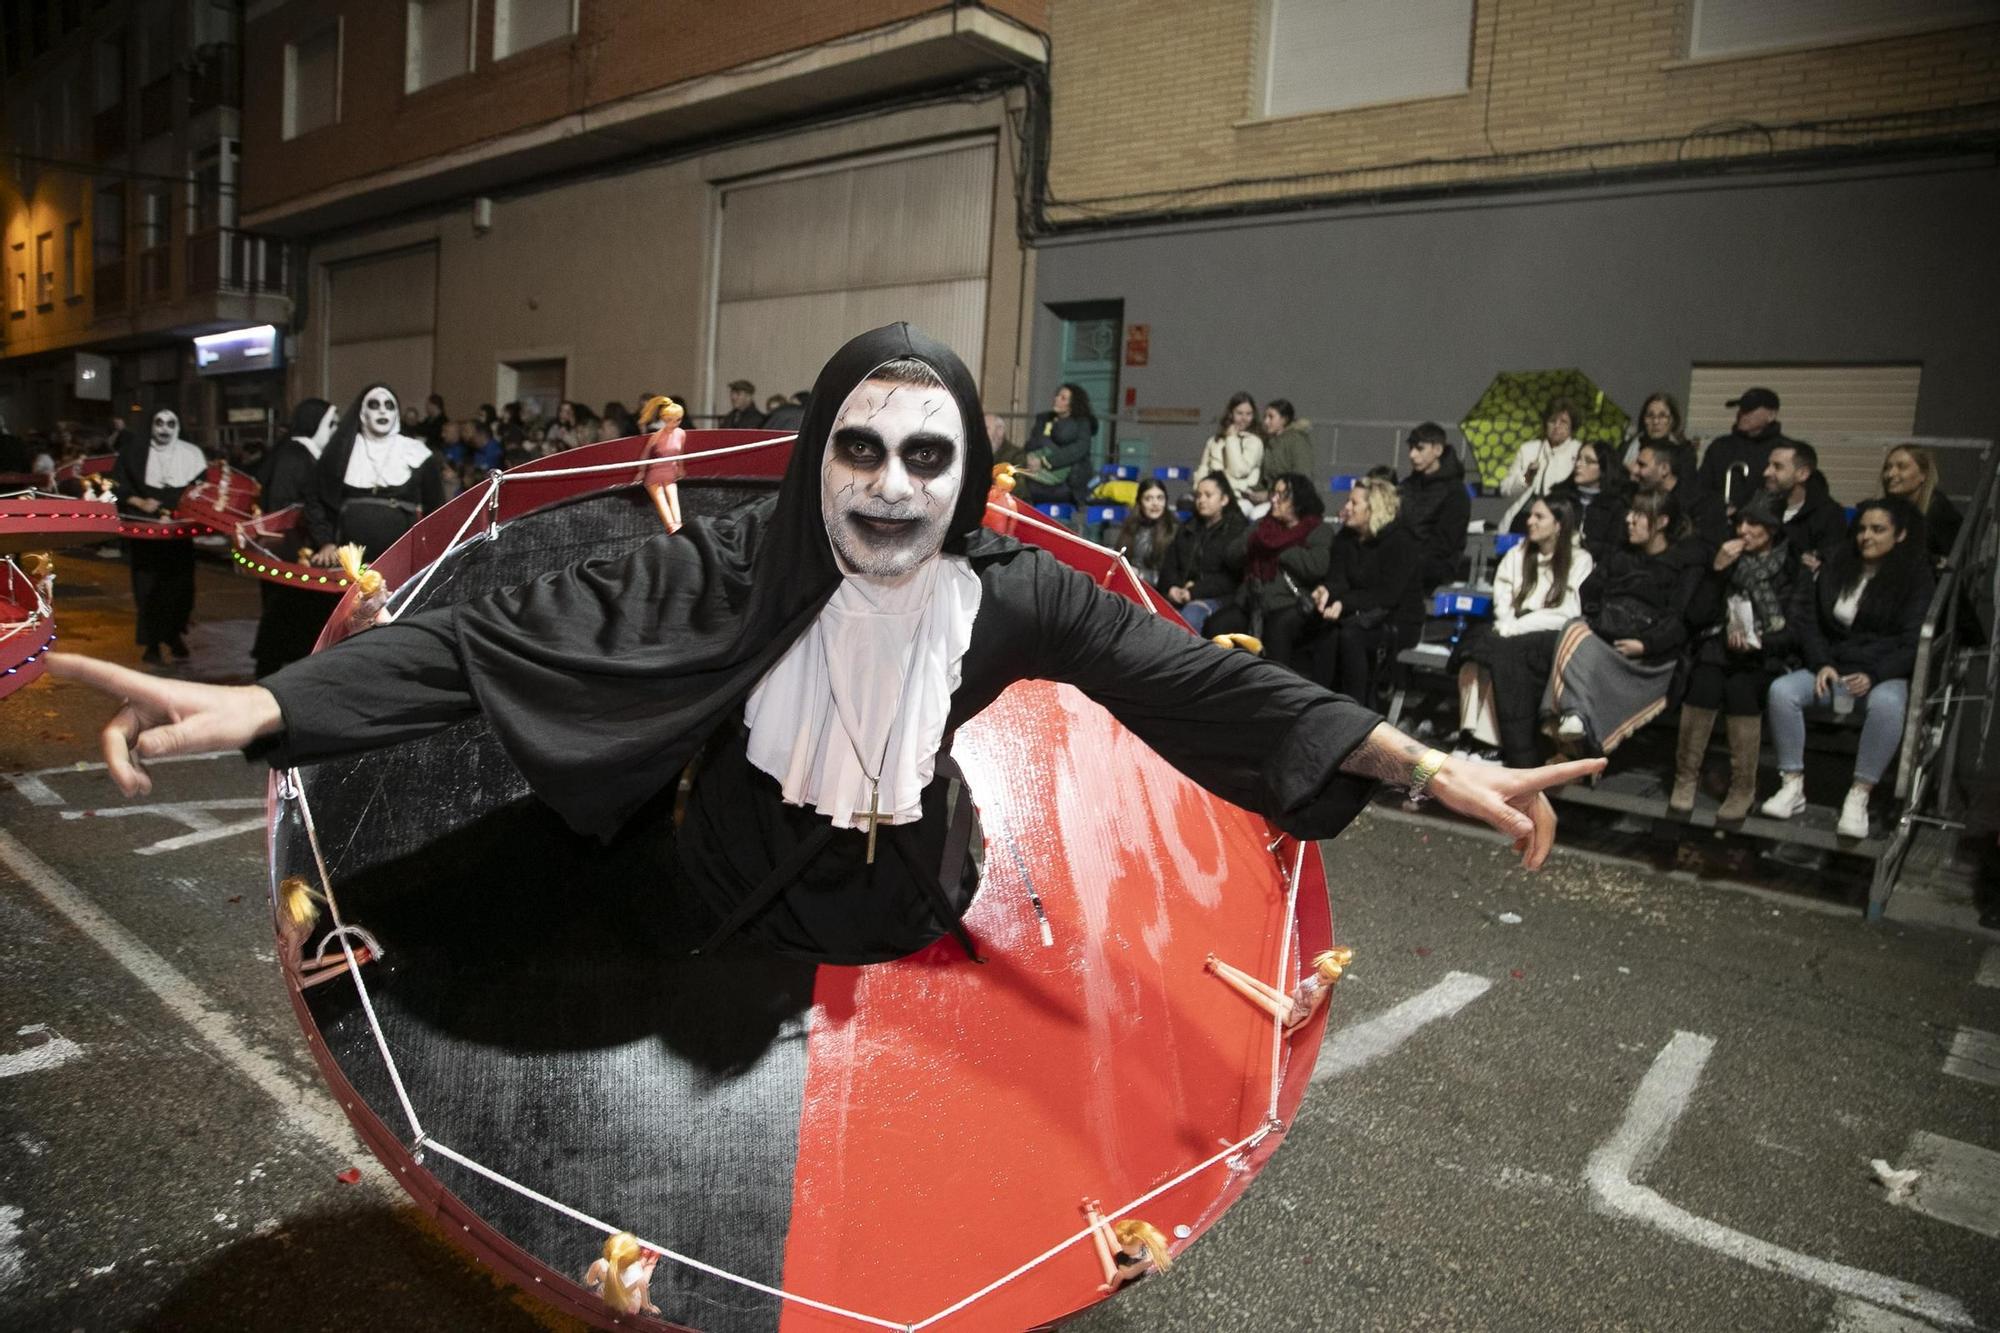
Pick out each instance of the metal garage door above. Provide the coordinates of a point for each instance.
(811, 258)
(381, 317)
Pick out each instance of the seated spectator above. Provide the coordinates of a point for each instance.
(1741, 626)
(431, 427)
(1288, 445)
(1435, 503)
(1857, 626)
(1373, 595)
(1814, 524)
(772, 404)
(1614, 666)
(742, 413)
(1597, 490)
(1236, 450)
(1503, 664)
(1732, 467)
(1541, 463)
(1286, 553)
(789, 415)
(451, 443)
(1909, 472)
(1199, 573)
(1058, 467)
(1659, 422)
(1665, 468)
(1004, 450)
(1148, 530)
(619, 417)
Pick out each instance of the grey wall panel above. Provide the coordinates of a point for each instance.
(1404, 313)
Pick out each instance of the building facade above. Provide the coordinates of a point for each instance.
(1373, 208)
(541, 200)
(122, 235)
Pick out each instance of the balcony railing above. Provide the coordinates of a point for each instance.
(107, 131)
(155, 272)
(108, 286)
(223, 259)
(217, 79)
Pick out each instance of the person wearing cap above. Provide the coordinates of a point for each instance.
(742, 413)
(1814, 522)
(1732, 468)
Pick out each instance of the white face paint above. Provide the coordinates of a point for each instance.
(380, 414)
(166, 428)
(891, 476)
(327, 425)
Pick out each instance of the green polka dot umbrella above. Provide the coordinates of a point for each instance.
(1509, 414)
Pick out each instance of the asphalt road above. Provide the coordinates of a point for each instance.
(1647, 1103)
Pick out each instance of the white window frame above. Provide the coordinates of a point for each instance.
(500, 16)
(1267, 45)
(291, 125)
(412, 60)
(1814, 31)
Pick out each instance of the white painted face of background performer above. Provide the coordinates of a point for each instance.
(890, 480)
(166, 429)
(380, 415)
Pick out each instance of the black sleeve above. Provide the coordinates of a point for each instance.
(430, 485)
(1670, 631)
(292, 478)
(1896, 658)
(1398, 582)
(1447, 539)
(1253, 732)
(1941, 526)
(392, 683)
(1814, 650)
(322, 501)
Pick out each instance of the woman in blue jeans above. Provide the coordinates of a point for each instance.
(1857, 626)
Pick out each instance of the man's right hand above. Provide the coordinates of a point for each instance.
(160, 717)
(1179, 595)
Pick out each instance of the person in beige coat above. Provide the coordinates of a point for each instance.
(1539, 464)
(1236, 450)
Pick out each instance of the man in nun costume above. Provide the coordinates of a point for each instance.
(816, 652)
(149, 476)
(294, 616)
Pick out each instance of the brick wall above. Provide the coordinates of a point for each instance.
(621, 47)
(1153, 103)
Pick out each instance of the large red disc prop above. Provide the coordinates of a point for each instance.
(517, 1035)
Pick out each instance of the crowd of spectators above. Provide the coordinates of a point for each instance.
(1727, 581)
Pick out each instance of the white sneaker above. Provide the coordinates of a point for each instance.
(1854, 814)
(1790, 799)
(1570, 728)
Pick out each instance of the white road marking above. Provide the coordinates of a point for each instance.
(1348, 1049)
(195, 816)
(1989, 968)
(57, 1050)
(13, 1263)
(1850, 1316)
(34, 785)
(1974, 1055)
(1649, 1121)
(304, 1108)
(1960, 1183)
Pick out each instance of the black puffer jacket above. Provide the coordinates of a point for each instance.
(1600, 519)
(1821, 526)
(1207, 555)
(1436, 510)
(1379, 573)
(1732, 466)
(1632, 595)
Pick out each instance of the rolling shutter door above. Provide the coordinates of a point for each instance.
(381, 323)
(810, 260)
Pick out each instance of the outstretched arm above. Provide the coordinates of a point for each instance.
(1509, 799)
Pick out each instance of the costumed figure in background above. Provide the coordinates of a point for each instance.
(817, 651)
(294, 616)
(374, 481)
(150, 475)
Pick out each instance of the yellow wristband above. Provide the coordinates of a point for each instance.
(1424, 770)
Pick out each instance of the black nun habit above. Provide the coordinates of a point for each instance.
(604, 680)
(159, 467)
(293, 616)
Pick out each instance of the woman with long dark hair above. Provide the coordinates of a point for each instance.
(1857, 626)
(1203, 566)
(1058, 467)
(1148, 530)
(1286, 553)
(1744, 641)
(1503, 664)
(1597, 489)
(1236, 450)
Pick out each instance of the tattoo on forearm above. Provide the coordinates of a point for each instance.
(1386, 756)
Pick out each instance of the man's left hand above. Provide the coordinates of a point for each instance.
(1511, 799)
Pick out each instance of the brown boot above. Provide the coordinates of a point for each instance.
(1746, 735)
(1697, 724)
